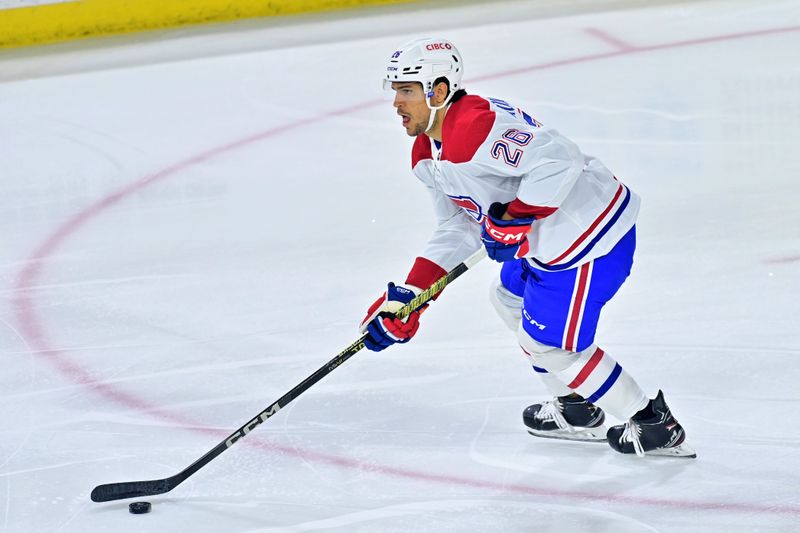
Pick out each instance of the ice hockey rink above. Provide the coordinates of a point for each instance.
(194, 223)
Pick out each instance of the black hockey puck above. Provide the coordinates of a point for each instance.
(139, 507)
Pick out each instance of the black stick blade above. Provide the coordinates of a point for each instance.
(130, 489)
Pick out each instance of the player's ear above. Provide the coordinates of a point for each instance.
(440, 91)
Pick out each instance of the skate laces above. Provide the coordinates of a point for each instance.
(551, 410)
(631, 434)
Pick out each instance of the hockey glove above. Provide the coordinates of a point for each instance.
(505, 240)
(382, 327)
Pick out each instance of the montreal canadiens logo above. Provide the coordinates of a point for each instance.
(469, 205)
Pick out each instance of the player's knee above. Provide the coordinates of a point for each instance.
(551, 358)
(507, 305)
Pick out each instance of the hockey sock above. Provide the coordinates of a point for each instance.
(553, 384)
(596, 376)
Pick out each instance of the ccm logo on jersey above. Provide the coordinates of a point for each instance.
(439, 46)
(469, 205)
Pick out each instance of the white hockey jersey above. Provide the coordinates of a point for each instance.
(492, 152)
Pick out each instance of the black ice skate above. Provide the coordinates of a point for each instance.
(566, 417)
(651, 431)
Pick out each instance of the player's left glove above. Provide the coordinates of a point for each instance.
(383, 328)
(505, 240)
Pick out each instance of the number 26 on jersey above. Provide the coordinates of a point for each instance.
(503, 149)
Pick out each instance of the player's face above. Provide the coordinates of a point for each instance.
(409, 99)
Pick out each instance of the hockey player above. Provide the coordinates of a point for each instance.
(559, 222)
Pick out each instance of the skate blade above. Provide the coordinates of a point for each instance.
(682, 450)
(597, 434)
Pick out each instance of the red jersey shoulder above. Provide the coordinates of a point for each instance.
(421, 150)
(466, 126)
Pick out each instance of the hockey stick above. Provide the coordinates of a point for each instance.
(137, 489)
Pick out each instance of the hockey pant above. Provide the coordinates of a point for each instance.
(555, 315)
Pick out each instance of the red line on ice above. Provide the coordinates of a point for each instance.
(606, 37)
(33, 331)
(781, 260)
(638, 50)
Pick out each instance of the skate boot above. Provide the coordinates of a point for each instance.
(566, 417)
(651, 431)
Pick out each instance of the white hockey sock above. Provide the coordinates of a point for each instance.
(592, 373)
(509, 309)
(552, 383)
(596, 376)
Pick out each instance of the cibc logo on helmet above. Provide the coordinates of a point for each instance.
(439, 46)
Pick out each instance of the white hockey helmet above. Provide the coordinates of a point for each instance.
(425, 61)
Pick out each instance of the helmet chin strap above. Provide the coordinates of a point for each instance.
(434, 109)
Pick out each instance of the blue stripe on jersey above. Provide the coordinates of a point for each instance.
(539, 370)
(612, 378)
(594, 241)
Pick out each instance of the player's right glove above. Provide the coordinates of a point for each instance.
(383, 328)
(505, 240)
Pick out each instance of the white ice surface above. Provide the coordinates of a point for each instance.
(184, 241)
